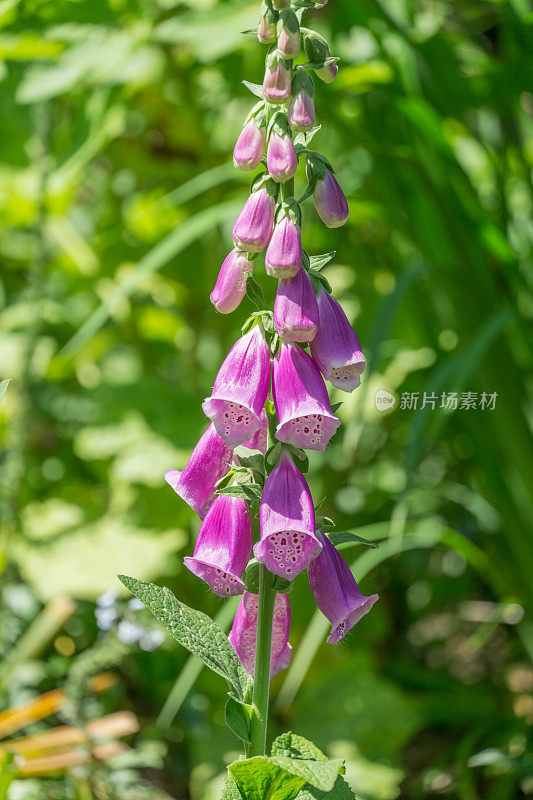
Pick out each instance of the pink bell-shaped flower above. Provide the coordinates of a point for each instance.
(223, 546)
(301, 400)
(243, 635)
(240, 389)
(330, 201)
(287, 518)
(295, 308)
(301, 114)
(288, 34)
(230, 287)
(283, 257)
(250, 146)
(254, 225)
(282, 161)
(335, 348)
(336, 592)
(277, 80)
(209, 461)
(260, 437)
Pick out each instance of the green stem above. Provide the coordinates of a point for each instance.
(265, 616)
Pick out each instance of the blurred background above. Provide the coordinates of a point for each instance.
(117, 199)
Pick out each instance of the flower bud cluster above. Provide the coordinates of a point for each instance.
(271, 385)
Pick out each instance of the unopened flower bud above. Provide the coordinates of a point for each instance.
(282, 161)
(266, 30)
(301, 114)
(283, 257)
(317, 51)
(250, 146)
(277, 80)
(253, 227)
(288, 34)
(330, 201)
(295, 309)
(335, 590)
(223, 546)
(281, 4)
(230, 287)
(335, 348)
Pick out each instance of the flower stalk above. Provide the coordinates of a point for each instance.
(261, 691)
(269, 403)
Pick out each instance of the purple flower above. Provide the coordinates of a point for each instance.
(301, 400)
(259, 439)
(240, 389)
(301, 114)
(289, 34)
(287, 518)
(277, 80)
(295, 309)
(336, 592)
(250, 146)
(253, 227)
(283, 257)
(243, 633)
(282, 161)
(266, 30)
(230, 287)
(209, 461)
(330, 201)
(335, 348)
(223, 546)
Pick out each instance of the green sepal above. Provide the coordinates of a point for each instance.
(300, 457)
(324, 522)
(255, 88)
(335, 407)
(319, 262)
(252, 459)
(304, 137)
(251, 577)
(255, 293)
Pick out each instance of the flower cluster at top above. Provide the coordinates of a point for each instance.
(253, 450)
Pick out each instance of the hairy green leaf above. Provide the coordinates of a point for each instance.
(255, 88)
(248, 491)
(193, 629)
(294, 746)
(347, 537)
(260, 778)
(255, 293)
(238, 717)
(320, 774)
(340, 791)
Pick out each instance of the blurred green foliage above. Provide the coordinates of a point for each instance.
(117, 198)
